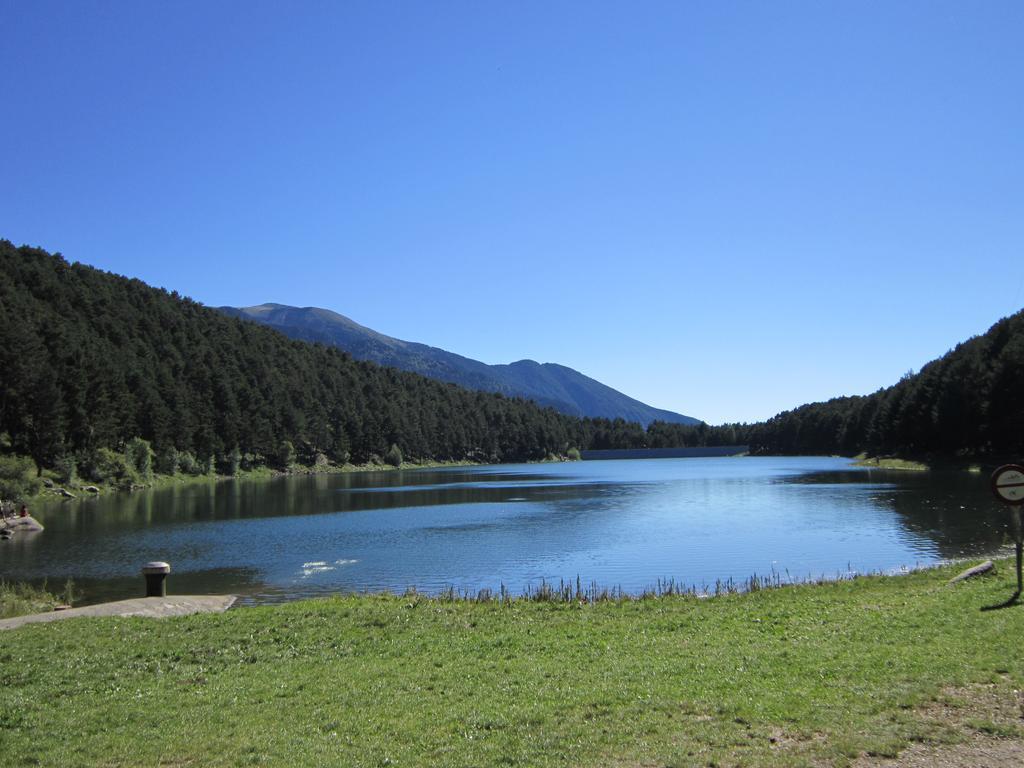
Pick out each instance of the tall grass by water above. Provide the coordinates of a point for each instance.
(19, 599)
(576, 591)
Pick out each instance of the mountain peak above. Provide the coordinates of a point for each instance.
(549, 384)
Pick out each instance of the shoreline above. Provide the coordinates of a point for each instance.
(158, 481)
(58, 491)
(577, 592)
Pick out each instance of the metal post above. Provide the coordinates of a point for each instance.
(1007, 484)
(156, 578)
(1019, 536)
(1020, 581)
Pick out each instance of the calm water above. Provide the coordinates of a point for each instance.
(619, 523)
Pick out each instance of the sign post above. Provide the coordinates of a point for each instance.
(1008, 487)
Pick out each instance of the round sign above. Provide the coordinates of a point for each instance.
(1008, 483)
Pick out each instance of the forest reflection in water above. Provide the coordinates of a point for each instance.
(619, 523)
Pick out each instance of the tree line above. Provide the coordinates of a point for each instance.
(92, 362)
(966, 403)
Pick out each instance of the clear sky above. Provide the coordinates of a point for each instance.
(723, 208)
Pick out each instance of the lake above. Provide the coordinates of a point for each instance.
(625, 524)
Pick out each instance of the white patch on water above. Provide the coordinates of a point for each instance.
(315, 567)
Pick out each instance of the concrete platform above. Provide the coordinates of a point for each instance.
(149, 607)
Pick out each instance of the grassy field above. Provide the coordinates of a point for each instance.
(806, 675)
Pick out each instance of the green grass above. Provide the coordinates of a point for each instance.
(791, 676)
(22, 599)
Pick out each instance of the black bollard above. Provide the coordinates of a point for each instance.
(156, 578)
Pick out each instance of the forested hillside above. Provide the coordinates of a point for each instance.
(91, 360)
(564, 389)
(967, 403)
(93, 363)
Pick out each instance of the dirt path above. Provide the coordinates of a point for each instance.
(978, 727)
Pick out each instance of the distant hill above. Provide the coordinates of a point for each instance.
(548, 384)
(966, 403)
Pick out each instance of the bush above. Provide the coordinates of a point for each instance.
(17, 478)
(252, 460)
(139, 455)
(394, 456)
(111, 467)
(573, 454)
(285, 454)
(167, 461)
(66, 469)
(188, 464)
(232, 462)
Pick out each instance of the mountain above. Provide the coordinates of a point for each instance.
(94, 364)
(548, 384)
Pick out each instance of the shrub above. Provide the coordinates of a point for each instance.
(66, 469)
(17, 478)
(112, 467)
(285, 454)
(252, 460)
(394, 456)
(573, 454)
(188, 464)
(139, 455)
(232, 462)
(167, 461)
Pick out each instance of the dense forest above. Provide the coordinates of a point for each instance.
(95, 367)
(92, 360)
(966, 403)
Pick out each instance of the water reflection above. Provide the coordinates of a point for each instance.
(621, 523)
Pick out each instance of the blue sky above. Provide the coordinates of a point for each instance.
(723, 208)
